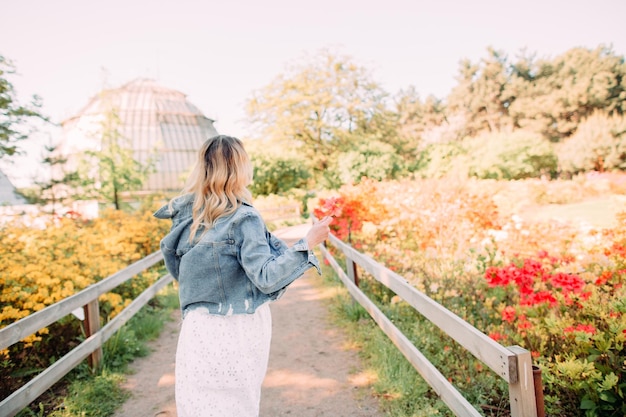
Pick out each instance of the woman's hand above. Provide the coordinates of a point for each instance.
(318, 232)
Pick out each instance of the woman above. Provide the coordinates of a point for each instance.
(228, 267)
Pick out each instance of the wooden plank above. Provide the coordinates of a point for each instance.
(501, 360)
(28, 393)
(522, 393)
(446, 391)
(17, 331)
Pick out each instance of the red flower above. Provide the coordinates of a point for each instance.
(568, 282)
(508, 314)
(586, 328)
(332, 206)
(497, 336)
(536, 298)
(523, 323)
(602, 279)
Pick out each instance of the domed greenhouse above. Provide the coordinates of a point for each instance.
(159, 125)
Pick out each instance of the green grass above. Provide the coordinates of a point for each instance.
(97, 397)
(86, 394)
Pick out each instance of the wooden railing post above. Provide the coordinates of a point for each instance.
(92, 326)
(541, 409)
(522, 392)
(352, 271)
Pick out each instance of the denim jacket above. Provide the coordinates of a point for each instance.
(236, 266)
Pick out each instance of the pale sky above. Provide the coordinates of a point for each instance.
(219, 51)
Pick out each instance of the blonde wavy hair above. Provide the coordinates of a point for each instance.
(218, 181)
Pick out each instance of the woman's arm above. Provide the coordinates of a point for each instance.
(268, 272)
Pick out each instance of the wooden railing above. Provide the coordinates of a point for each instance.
(513, 363)
(91, 347)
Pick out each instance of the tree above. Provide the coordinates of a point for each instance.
(277, 174)
(319, 107)
(62, 185)
(554, 96)
(113, 169)
(372, 159)
(13, 115)
(599, 144)
(415, 116)
(547, 96)
(482, 94)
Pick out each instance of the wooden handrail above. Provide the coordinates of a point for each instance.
(435, 379)
(513, 364)
(17, 331)
(95, 337)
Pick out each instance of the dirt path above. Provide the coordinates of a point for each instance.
(312, 372)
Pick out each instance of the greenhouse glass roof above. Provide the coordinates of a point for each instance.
(157, 122)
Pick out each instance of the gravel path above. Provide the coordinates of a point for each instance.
(312, 371)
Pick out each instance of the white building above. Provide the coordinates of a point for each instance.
(8, 195)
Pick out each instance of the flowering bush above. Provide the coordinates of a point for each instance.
(555, 288)
(351, 209)
(573, 324)
(41, 266)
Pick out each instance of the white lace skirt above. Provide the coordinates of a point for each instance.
(221, 362)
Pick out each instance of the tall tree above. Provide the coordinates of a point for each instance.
(481, 94)
(416, 118)
(13, 115)
(113, 167)
(321, 105)
(556, 95)
(62, 185)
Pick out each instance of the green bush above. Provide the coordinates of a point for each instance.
(276, 174)
(599, 144)
(441, 159)
(372, 159)
(510, 156)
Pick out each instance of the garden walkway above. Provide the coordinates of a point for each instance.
(312, 370)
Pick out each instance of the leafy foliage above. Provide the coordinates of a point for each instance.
(554, 95)
(277, 174)
(554, 288)
(500, 120)
(482, 94)
(112, 169)
(374, 159)
(513, 156)
(13, 115)
(599, 144)
(318, 107)
(54, 193)
(548, 96)
(42, 266)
